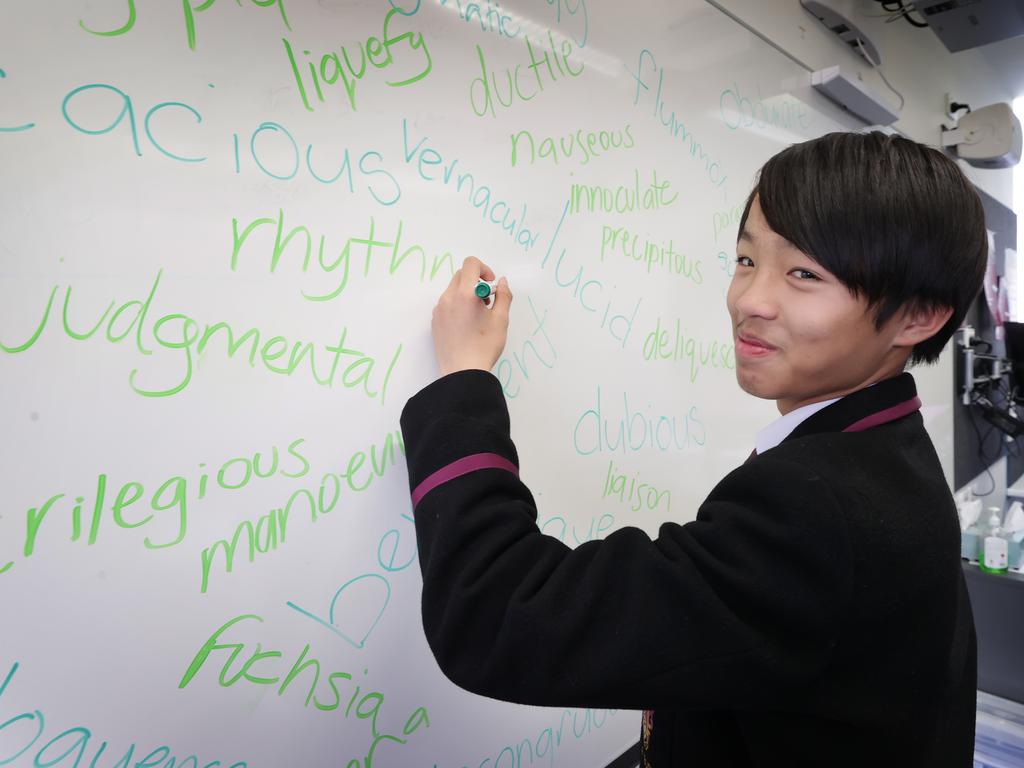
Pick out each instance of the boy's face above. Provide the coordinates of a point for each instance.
(800, 335)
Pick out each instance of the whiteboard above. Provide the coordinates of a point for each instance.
(224, 226)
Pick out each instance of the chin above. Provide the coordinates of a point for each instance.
(753, 386)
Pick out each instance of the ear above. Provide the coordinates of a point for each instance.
(917, 325)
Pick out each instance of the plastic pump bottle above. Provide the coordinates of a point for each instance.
(994, 548)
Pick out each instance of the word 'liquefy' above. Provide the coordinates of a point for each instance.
(588, 143)
(636, 431)
(268, 668)
(483, 90)
(621, 199)
(190, 12)
(179, 333)
(351, 69)
(71, 746)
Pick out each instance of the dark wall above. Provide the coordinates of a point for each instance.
(970, 455)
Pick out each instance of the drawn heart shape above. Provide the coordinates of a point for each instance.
(356, 610)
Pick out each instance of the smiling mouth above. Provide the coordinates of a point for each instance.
(747, 346)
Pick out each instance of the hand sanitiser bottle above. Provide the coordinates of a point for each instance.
(994, 547)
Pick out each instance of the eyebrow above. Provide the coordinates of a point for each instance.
(752, 239)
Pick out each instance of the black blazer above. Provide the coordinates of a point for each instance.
(814, 614)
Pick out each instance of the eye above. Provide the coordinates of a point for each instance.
(804, 274)
(744, 261)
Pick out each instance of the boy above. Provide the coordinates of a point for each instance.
(815, 613)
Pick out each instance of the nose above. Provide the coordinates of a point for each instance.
(754, 294)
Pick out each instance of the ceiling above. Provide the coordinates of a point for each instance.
(1006, 58)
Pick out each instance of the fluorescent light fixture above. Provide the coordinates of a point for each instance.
(855, 97)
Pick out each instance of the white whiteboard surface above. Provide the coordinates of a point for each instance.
(177, 377)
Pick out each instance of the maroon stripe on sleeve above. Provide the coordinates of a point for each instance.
(461, 467)
(897, 411)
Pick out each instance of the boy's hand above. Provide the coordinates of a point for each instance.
(468, 335)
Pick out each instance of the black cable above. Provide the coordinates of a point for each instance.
(910, 21)
(982, 456)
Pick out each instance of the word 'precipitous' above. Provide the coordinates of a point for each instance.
(662, 256)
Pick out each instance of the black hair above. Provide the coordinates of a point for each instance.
(895, 221)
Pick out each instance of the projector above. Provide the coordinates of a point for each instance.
(987, 138)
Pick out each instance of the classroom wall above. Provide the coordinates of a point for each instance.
(914, 60)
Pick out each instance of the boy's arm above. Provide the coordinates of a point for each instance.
(736, 607)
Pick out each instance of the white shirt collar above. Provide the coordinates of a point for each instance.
(779, 430)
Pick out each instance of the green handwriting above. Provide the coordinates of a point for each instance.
(337, 268)
(189, 11)
(180, 333)
(259, 667)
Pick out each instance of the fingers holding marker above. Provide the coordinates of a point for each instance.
(485, 290)
(473, 269)
(494, 291)
(502, 298)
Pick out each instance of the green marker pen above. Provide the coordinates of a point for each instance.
(486, 291)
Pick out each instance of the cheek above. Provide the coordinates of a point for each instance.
(730, 298)
(822, 321)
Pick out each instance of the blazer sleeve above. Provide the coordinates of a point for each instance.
(740, 607)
